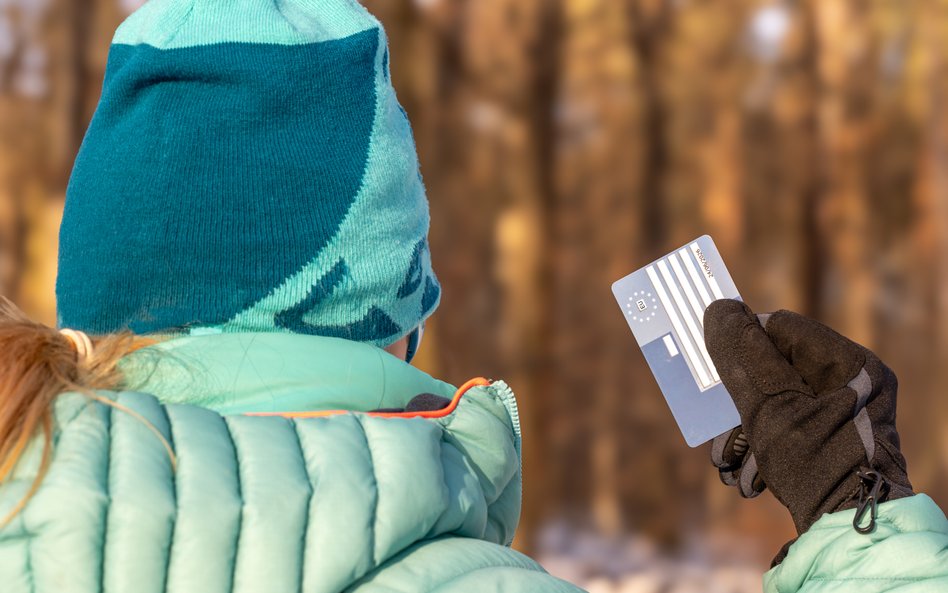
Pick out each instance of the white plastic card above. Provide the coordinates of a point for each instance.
(664, 304)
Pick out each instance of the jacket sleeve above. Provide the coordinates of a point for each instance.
(461, 565)
(906, 553)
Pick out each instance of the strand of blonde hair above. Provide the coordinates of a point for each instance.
(39, 363)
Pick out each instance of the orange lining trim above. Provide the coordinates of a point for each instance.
(478, 382)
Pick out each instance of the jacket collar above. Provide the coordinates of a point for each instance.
(273, 372)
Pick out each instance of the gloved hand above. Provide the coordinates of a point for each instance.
(817, 412)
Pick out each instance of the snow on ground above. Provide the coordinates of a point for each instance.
(633, 564)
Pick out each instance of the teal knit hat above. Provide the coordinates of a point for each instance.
(248, 169)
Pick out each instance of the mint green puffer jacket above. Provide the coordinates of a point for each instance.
(906, 553)
(272, 504)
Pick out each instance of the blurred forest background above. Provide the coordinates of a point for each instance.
(564, 144)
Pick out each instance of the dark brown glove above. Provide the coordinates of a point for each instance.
(817, 412)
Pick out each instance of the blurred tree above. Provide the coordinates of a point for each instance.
(597, 218)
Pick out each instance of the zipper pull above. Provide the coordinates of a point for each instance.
(877, 487)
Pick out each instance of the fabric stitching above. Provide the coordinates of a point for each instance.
(181, 25)
(440, 586)
(373, 540)
(309, 504)
(279, 6)
(29, 558)
(843, 579)
(174, 490)
(108, 494)
(240, 496)
(31, 537)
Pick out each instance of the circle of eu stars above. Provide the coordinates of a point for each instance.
(642, 306)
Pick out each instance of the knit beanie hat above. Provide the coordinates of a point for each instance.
(248, 169)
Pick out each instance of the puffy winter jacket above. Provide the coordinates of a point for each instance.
(906, 553)
(269, 490)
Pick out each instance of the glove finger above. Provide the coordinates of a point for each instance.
(730, 478)
(728, 449)
(826, 360)
(750, 365)
(746, 478)
(727, 454)
(750, 483)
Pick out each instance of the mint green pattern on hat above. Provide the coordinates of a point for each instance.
(172, 24)
(249, 168)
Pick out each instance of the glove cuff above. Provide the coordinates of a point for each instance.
(862, 489)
